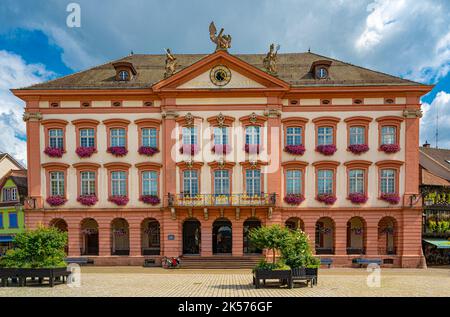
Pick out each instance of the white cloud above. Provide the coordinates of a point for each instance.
(14, 73)
(440, 107)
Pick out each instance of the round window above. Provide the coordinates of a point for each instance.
(123, 75)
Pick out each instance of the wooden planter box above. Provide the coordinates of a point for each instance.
(281, 275)
(40, 273)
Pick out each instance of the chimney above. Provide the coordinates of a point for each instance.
(426, 144)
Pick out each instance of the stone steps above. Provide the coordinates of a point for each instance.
(219, 262)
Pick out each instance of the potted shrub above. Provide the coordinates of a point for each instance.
(358, 148)
(271, 238)
(295, 149)
(37, 253)
(326, 149)
(148, 150)
(390, 148)
(84, 152)
(54, 151)
(117, 150)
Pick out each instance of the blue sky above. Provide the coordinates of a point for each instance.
(406, 38)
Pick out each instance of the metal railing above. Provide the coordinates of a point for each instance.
(205, 200)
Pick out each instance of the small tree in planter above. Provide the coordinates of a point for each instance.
(271, 237)
(35, 249)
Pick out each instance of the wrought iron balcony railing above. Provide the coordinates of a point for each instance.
(206, 200)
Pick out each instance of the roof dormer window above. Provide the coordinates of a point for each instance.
(320, 69)
(124, 71)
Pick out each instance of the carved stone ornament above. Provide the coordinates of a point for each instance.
(173, 214)
(171, 64)
(253, 118)
(220, 120)
(223, 42)
(253, 164)
(32, 116)
(412, 114)
(273, 113)
(269, 213)
(189, 119)
(189, 163)
(238, 213)
(205, 213)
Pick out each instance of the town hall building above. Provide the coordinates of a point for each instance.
(182, 154)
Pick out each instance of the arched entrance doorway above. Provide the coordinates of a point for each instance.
(89, 237)
(61, 225)
(191, 236)
(325, 236)
(295, 223)
(356, 236)
(150, 233)
(250, 224)
(387, 236)
(222, 236)
(120, 237)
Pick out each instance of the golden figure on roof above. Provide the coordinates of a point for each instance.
(270, 61)
(171, 63)
(223, 42)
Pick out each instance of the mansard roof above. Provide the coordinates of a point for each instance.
(293, 68)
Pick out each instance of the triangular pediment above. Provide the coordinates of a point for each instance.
(240, 75)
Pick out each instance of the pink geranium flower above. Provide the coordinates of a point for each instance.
(150, 199)
(358, 148)
(295, 149)
(221, 149)
(117, 150)
(148, 150)
(54, 151)
(56, 201)
(85, 151)
(326, 149)
(191, 149)
(87, 200)
(294, 199)
(390, 148)
(327, 199)
(357, 198)
(119, 200)
(393, 199)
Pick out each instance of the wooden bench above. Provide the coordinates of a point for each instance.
(362, 261)
(80, 261)
(326, 261)
(300, 274)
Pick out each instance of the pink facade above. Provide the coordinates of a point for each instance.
(179, 197)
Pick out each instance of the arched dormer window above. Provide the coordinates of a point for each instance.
(124, 71)
(320, 69)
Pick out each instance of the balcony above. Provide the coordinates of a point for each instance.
(210, 200)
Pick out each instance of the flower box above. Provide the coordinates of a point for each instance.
(150, 199)
(87, 200)
(54, 151)
(55, 201)
(327, 199)
(357, 198)
(221, 149)
(85, 151)
(294, 199)
(295, 149)
(393, 199)
(326, 149)
(252, 148)
(390, 148)
(148, 150)
(119, 200)
(358, 148)
(117, 150)
(191, 149)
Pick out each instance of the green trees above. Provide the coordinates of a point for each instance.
(292, 245)
(40, 248)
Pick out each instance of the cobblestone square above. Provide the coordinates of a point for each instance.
(158, 282)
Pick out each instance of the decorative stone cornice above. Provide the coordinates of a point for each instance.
(32, 116)
(412, 113)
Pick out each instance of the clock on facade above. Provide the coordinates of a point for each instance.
(220, 75)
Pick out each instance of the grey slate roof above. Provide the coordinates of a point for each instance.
(292, 67)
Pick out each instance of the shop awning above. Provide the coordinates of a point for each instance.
(6, 238)
(439, 243)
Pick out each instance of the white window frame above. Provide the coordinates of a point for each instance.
(356, 178)
(325, 135)
(149, 183)
(325, 179)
